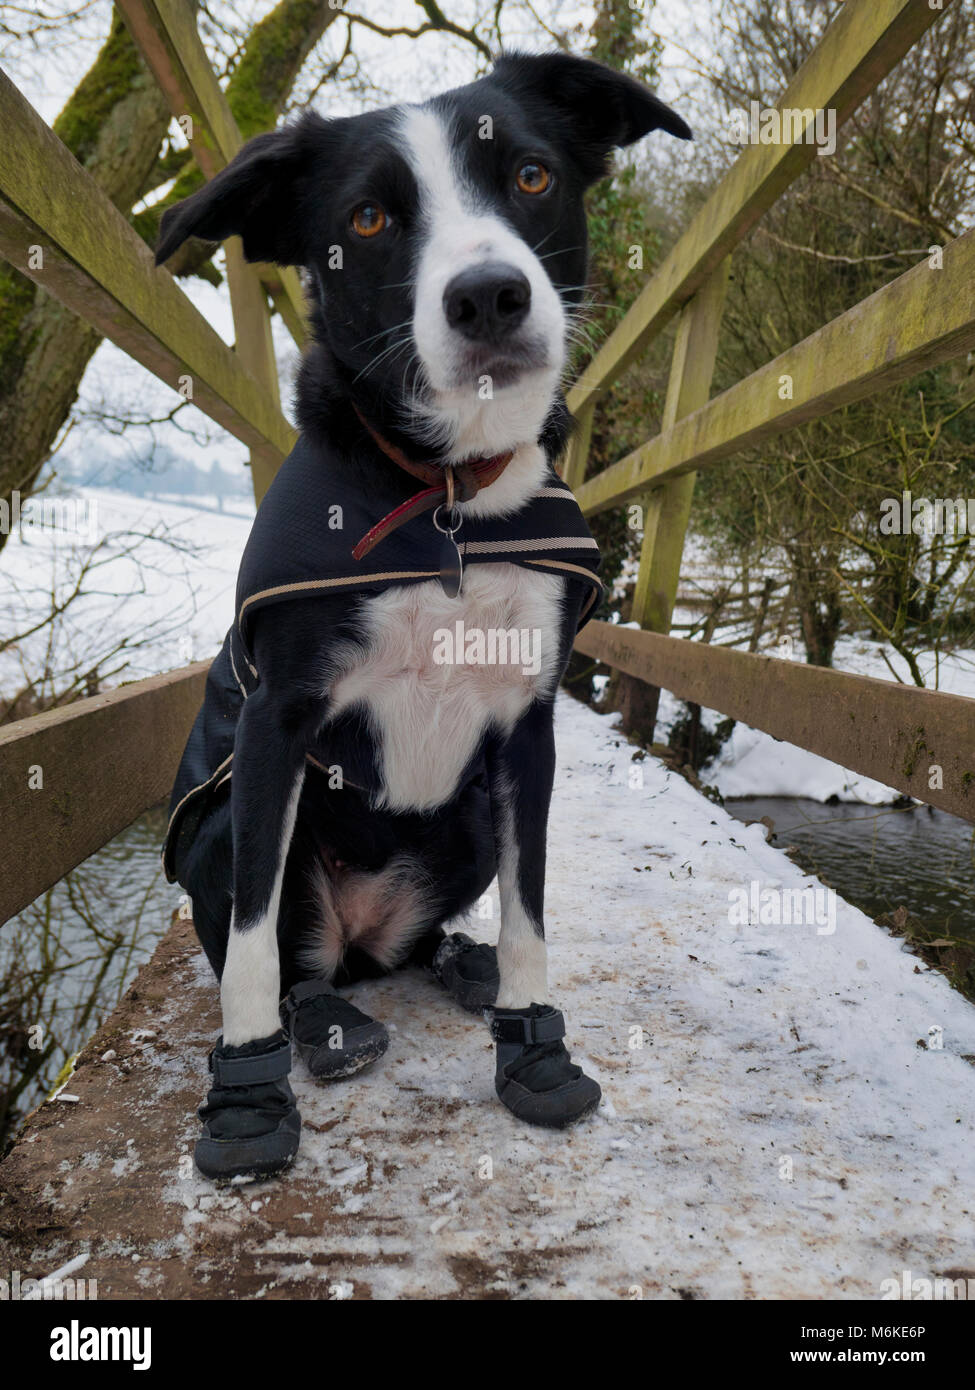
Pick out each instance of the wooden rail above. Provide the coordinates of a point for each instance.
(95, 263)
(865, 41)
(924, 317)
(897, 734)
(73, 778)
(166, 33)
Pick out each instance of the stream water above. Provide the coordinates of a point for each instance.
(880, 857)
(66, 960)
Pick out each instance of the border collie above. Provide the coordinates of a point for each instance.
(376, 741)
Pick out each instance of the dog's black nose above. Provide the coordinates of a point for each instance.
(485, 302)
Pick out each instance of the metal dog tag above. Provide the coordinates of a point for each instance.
(451, 564)
(451, 567)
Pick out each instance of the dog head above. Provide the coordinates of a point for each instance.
(445, 243)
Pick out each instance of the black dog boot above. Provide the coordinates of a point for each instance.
(468, 971)
(535, 1077)
(333, 1037)
(251, 1124)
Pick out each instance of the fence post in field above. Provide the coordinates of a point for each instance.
(667, 508)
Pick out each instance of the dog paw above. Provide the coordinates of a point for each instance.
(536, 1078)
(251, 1125)
(332, 1036)
(468, 971)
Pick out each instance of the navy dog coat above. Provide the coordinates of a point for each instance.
(301, 545)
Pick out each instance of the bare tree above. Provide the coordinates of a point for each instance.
(900, 183)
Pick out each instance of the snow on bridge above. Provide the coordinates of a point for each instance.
(789, 1128)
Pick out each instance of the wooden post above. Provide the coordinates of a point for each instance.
(668, 508)
(97, 265)
(166, 33)
(255, 348)
(577, 454)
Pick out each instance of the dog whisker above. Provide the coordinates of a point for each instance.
(562, 251)
(381, 334)
(380, 357)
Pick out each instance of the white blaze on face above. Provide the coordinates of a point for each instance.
(459, 231)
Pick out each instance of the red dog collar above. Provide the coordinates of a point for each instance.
(448, 483)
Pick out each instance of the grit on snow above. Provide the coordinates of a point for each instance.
(775, 1122)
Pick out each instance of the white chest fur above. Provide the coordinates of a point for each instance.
(437, 672)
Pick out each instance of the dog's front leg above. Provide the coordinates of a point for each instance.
(251, 1121)
(535, 1077)
(268, 772)
(521, 769)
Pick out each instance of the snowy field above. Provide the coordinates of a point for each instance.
(181, 595)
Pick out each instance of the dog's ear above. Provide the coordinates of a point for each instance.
(603, 108)
(257, 197)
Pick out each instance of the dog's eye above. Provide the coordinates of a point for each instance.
(368, 219)
(533, 177)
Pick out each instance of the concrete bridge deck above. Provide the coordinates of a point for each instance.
(784, 1130)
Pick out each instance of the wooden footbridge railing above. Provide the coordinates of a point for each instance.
(107, 759)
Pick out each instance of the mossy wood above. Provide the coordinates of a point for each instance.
(904, 737)
(166, 32)
(863, 44)
(93, 261)
(72, 778)
(667, 508)
(924, 317)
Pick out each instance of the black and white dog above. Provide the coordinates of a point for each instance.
(377, 737)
